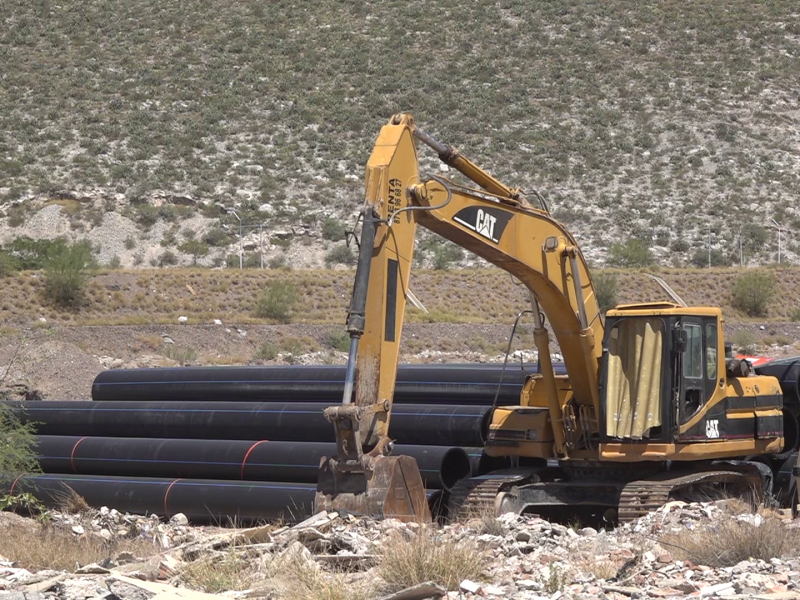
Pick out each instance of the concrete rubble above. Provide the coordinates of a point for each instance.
(526, 558)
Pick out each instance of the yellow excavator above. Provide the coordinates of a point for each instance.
(650, 408)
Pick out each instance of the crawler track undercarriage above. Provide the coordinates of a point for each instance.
(602, 494)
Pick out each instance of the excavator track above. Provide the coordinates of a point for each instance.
(475, 496)
(644, 496)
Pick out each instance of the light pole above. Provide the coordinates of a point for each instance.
(241, 261)
(780, 229)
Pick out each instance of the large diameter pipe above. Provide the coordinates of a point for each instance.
(436, 384)
(202, 501)
(298, 462)
(787, 371)
(301, 422)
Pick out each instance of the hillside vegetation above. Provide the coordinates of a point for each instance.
(673, 123)
(479, 296)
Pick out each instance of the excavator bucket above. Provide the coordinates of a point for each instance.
(391, 487)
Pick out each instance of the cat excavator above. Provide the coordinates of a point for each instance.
(650, 407)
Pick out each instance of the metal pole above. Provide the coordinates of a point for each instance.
(741, 254)
(261, 243)
(241, 250)
(779, 228)
(709, 246)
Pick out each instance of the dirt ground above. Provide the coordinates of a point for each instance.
(60, 363)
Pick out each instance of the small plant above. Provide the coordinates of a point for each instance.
(733, 540)
(555, 579)
(795, 315)
(277, 302)
(180, 354)
(606, 286)
(633, 253)
(333, 229)
(428, 557)
(340, 255)
(752, 292)
(339, 340)
(7, 264)
(66, 275)
(266, 351)
(745, 340)
(445, 255)
(195, 248)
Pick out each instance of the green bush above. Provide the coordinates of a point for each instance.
(752, 292)
(340, 255)
(339, 340)
(700, 258)
(444, 255)
(18, 450)
(277, 301)
(605, 287)
(633, 253)
(66, 274)
(7, 264)
(333, 229)
(266, 351)
(217, 237)
(194, 247)
(795, 315)
(30, 254)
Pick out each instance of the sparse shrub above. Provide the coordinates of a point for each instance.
(7, 264)
(194, 247)
(217, 237)
(795, 315)
(167, 258)
(266, 351)
(146, 214)
(333, 229)
(339, 340)
(277, 301)
(66, 275)
(700, 258)
(752, 292)
(115, 262)
(340, 255)
(428, 557)
(605, 287)
(18, 450)
(632, 253)
(733, 540)
(745, 340)
(444, 255)
(277, 262)
(180, 354)
(130, 243)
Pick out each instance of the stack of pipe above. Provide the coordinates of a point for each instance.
(244, 443)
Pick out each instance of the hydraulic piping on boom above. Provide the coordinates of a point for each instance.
(649, 408)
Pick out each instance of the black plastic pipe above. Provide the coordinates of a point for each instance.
(437, 384)
(787, 371)
(411, 424)
(440, 466)
(202, 501)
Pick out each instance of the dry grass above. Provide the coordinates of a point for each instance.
(47, 547)
(308, 581)
(734, 539)
(229, 571)
(464, 296)
(429, 557)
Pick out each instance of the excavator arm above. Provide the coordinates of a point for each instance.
(492, 221)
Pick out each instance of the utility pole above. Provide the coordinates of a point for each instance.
(741, 254)
(780, 230)
(261, 243)
(709, 246)
(241, 251)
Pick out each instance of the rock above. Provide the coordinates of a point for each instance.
(469, 587)
(78, 530)
(92, 569)
(182, 320)
(588, 532)
(524, 536)
(179, 519)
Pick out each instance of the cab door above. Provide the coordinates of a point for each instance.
(697, 372)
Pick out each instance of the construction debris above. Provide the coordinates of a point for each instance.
(526, 558)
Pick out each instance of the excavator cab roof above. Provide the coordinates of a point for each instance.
(662, 308)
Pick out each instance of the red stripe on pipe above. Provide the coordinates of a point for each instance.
(247, 455)
(11, 491)
(166, 495)
(72, 454)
